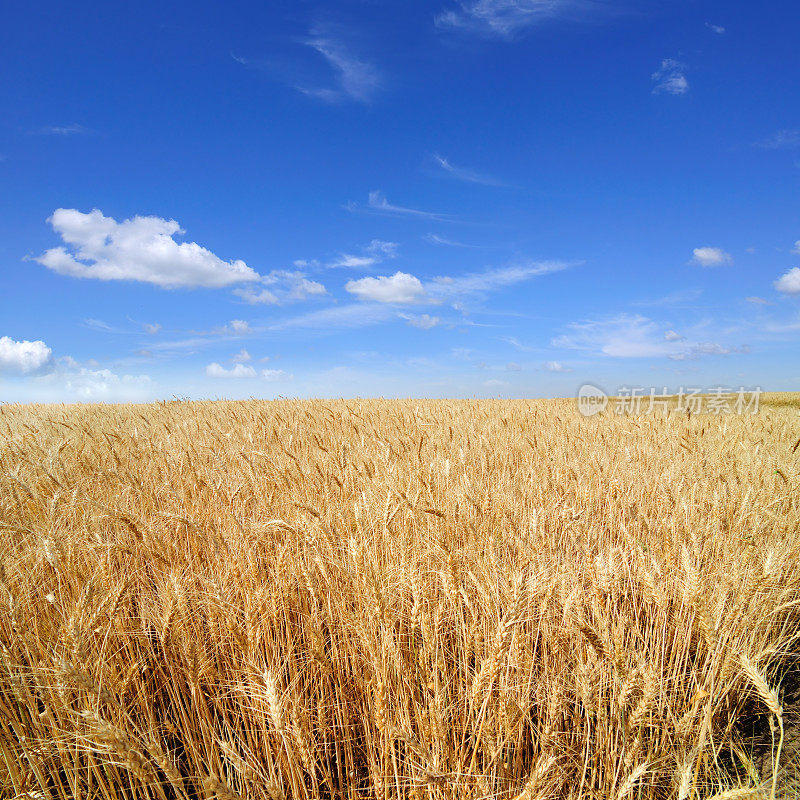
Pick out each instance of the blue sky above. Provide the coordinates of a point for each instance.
(370, 197)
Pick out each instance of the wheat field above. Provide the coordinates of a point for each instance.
(395, 599)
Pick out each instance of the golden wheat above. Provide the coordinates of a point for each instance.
(391, 599)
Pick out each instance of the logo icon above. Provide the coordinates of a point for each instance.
(591, 400)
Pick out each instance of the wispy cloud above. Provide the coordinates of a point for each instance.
(506, 18)
(434, 238)
(374, 253)
(464, 174)
(676, 298)
(378, 204)
(715, 28)
(404, 289)
(354, 78)
(352, 315)
(514, 342)
(670, 77)
(785, 139)
(424, 321)
(636, 336)
(449, 287)
(62, 130)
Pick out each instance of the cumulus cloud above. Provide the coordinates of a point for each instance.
(403, 288)
(711, 257)
(670, 77)
(103, 384)
(25, 357)
(242, 357)
(400, 288)
(216, 370)
(241, 370)
(424, 321)
(789, 282)
(237, 326)
(276, 375)
(556, 366)
(286, 286)
(137, 249)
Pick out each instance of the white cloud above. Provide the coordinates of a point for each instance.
(506, 17)
(789, 282)
(399, 288)
(286, 286)
(376, 251)
(514, 342)
(715, 28)
(254, 297)
(635, 336)
(276, 375)
(491, 279)
(758, 301)
(103, 384)
(670, 77)
(424, 321)
(352, 315)
(706, 349)
(152, 327)
(673, 336)
(556, 366)
(136, 249)
(355, 79)
(215, 370)
(62, 130)
(238, 326)
(678, 297)
(464, 174)
(495, 383)
(796, 248)
(382, 249)
(785, 139)
(242, 357)
(25, 357)
(434, 238)
(711, 257)
(378, 204)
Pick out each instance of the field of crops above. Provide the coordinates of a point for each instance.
(396, 599)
